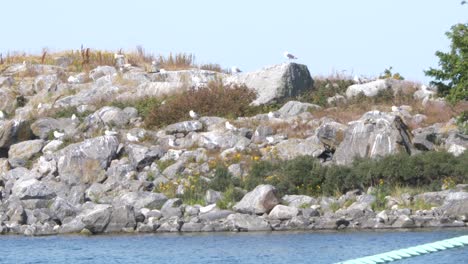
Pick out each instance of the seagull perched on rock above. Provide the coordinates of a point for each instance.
(132, 138)
(58, 135)
(396, 108)
(289, 56)
(229, 126)
(2, 115)
(273, 114)
(234, 69)
(110, 133)
(193, 115)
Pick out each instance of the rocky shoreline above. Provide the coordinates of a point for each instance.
(99, 170)
(259, 210)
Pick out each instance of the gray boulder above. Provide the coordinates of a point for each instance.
(184, 127)
(172, 207)
(294, 108)
(121, 219)
(282, 212)
(86, 162)
(214, 215)
(371, 89)
(43, 127)
(275, 82)
(20, 153)
(172, 224)
(331, 133)
(101, 71)
(211, 196)
(243, 222)
(375, 134)
(299, 200)
(140, 200)
(141, 156)
(13, 131)
(259, 201)
(456, 143)
(96, 217)
(26, 189)
(222, 140)
(295, 147)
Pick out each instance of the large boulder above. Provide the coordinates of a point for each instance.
(101, 71)
(259, 201)
(184, 127)
(275, 82)
(96, 217)
(371, 89)
(26, 189)
(168, 82)
(456, 143)
(294, 108)
(295, 147)
(20, 153)
(243, 222)
(121, 219)
(299, 201)
(13, 131)
(222, 140)
(375, 134)
(283, 212)
(331, 133)
(86, 162)
(140, 200)
(43, 127)
(141, 156)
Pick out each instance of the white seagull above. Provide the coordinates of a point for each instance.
(132, 138)
(273, 114)
(193, 115)
(229, 126)
(235, 69)
(73, 117)
(58, 135)
(2, 115)
(396, 109)
(110, 133)
(289, 56)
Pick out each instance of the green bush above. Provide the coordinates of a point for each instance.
(452, 77)
(222, 179)
(305, 175)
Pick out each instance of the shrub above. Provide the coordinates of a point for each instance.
(305, 175)
(213, 100)
(230, 197)
(222, 179)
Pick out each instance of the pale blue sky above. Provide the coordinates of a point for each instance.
(361, 36)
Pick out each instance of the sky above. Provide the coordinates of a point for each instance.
(361, 37)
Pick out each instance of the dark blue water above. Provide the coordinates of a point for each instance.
(278, 247)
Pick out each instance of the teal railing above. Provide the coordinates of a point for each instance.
(411, 252)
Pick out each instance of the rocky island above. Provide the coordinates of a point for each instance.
(105, 143)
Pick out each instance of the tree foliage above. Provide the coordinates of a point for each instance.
(451, 78)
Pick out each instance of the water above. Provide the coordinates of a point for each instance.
(277, 247)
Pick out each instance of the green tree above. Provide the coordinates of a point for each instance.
(452, 77)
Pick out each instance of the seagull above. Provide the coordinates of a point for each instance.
(356, 79)
(229, 126)
(171, 142)
(132, 138)
(73, 117)
(235, 69)
(2, 115)
(289, 56)
(396, 109)
(273, 114)
(193, 115)
(270, 140)
(118, 56)
(110, 133)
(58, 135)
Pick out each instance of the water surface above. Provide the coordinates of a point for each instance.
(268, 247)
